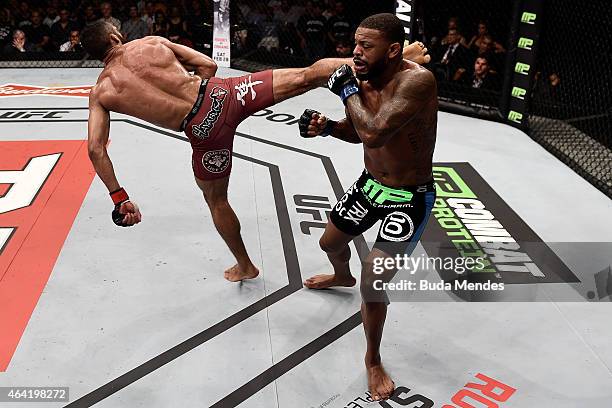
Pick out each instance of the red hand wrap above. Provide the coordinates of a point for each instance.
(119, 196)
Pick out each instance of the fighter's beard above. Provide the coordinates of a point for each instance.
(375, 70)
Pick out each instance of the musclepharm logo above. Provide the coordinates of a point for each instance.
(381, 194)
(450, 184)
(519, 92)
(525, 43)
(528, 18)
(522, 68)
(515, 116)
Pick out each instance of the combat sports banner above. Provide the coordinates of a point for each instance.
(221, 33)
(479, 249)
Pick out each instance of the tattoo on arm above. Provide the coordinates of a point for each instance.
(411, 95)
(345, 131)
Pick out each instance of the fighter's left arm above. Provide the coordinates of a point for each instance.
(375, 130)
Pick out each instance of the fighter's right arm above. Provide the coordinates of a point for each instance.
(344, 130)
(192, 60)
(126, 213)
(98, 128)
(313, 123)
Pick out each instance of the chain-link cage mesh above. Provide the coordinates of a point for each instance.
(571, 105)
(468, 41)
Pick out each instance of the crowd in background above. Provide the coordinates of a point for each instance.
(468, 55)
(464, 52)
(305, 28)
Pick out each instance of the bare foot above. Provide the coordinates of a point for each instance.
(236, 274)
(327, 281)
(380, 384)
(416, 52)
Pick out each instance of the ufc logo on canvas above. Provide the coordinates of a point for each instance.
(24, 186)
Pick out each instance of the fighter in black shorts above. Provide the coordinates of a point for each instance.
(402, 210)
(391, 109)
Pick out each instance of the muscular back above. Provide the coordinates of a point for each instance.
(146, 78)
(405, 158)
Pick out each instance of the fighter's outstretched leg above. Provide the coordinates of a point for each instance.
(290, 82)
(228, 226)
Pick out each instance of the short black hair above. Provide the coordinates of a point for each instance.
(95, 39)
(388, 24)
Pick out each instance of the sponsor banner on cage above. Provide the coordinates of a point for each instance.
(221, 33)
(404, 10)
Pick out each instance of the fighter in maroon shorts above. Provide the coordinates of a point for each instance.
(150, 79)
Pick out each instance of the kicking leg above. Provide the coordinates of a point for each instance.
(228, 226)
(290, 82)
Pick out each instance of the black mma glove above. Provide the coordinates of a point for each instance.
(119, 197)
(305, 120)
(343, 82)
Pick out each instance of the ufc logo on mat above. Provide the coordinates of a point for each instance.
(24, 186)
(42, 186)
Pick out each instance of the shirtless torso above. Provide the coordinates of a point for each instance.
(148, 79)
(406, 157)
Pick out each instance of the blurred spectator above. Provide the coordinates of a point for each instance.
(483, 36)
(38, 33)
(344, 49)
(107, 15)
(22, 15)
(488, 49)
(74, 44)
(160, 25)
(453, 25)
(177, 26)
(482, 77)
(51, 17)
(451, 57)
(134, 28)
(269, 32)
(340, 27)
(198, 26)
(60, 30)
(312, 31)
(257, 15)
(329, 10)
(5, 28)
(19, 44)
(90, 15)
(147, 15)
(287, 14)
(547, 87)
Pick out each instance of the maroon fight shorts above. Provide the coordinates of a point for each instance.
(221, 105)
